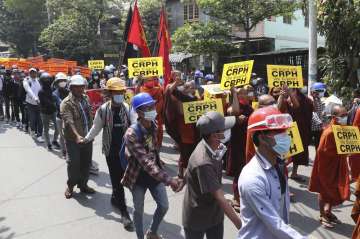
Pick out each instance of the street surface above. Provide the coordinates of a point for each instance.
(32, 203)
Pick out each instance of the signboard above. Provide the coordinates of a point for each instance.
(195, 109)
(96, 64)
(128, 96)
(296, 143)
(236, 74)
(279, 75)
(147, 67)
(347, 139)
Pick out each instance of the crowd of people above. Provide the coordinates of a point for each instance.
(248, 144)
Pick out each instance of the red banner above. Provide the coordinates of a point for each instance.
(96, 99)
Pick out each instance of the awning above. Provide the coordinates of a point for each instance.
(179, 57)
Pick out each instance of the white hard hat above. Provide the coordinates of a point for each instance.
(61, 76)
(77, 80)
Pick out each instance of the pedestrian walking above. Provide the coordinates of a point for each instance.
(113, 118)
(144, 171)
(263, 186)
(76, 114)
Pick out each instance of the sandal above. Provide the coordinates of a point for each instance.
(326, 222)
(333, 218)
(68, 193)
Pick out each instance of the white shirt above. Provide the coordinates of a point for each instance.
(32, 88)
(264, 211)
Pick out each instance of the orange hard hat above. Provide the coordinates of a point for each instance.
(268, 118)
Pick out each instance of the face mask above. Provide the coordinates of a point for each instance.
(96, 77)
(220, 152)
(180, 88)
(342, 120)
(150, 115)
(251, 94)
(62, 84)
(118, 99)
(321, 94)
(283, 142)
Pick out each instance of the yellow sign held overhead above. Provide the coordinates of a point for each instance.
(195, 109)
(296, 143)
(347, 139)
(236, 74)
(279, 75)
(147, 67)
(96, 64)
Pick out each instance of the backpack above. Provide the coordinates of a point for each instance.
(139, 135)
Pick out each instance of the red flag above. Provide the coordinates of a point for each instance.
(136, 33)
(165, 46)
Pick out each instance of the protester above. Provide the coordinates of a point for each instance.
(114, 119)
(300, 107)
(330, 176)
(241, 109)
(14, 97)
(204, 203)
(7, 92)
(60, 93)
(75, 111)
(144, 170)
(48, 110)
(32, 88)
(354, 160)
(263, 187)
(23, 105)
(317, 92)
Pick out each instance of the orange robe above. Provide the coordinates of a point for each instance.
(354, 160)
(250, 148)
(330, 175)
(355, 213)
(158, 95)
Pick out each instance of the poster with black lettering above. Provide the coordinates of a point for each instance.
(195, 109)
(285, 75)
(347, 139)
(296, 146)
(147, 66)
(236, 74)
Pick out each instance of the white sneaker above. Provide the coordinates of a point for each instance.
(40, 139)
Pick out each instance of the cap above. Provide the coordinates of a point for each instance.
(212, 122)
(32, 69)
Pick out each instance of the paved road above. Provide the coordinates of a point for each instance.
(32, 205)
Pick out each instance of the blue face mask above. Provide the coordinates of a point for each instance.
(150, 115)
(118, 99)
(283, 142)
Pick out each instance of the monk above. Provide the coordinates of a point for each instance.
(356, 211)
(151, 86)
(241, 108)
(354, 160)
(264, 100)
(300, 107)
(330, 175)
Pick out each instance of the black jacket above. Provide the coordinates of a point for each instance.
(47, 101)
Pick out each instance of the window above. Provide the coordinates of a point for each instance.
(191, 12)
(306, 18)
(287, 19)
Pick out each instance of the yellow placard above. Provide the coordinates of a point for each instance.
(96, 64)
(347, 139)
(128, 96)
(255, 105)
(280, 75)
(195, 109)
(147, 67)
(296, 143)
(236, 74)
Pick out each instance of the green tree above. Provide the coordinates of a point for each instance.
(212, 38)
(21, 24)
(338, 21)
(246, 13)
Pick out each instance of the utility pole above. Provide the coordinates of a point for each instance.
(312, 69)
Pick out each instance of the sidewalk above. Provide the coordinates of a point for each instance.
(32, 203)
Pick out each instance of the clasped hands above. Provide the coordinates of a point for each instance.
(177, 184)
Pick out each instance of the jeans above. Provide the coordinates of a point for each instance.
(46, 123)
(116, 174)
(24, 115)
(7, 107)
(59, 124)
(16, 105)
(78, 163)
(35, 119)
(161, 199)
(215, 232)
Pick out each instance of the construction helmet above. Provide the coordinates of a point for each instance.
(60, 76)
(142, 99)
(77, 80)
(115, 83)
(268, 118)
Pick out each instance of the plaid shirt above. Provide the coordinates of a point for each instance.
(319, 108)
(142, 155)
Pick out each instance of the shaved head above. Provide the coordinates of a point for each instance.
(266, 100)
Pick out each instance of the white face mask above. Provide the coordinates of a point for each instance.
(342, 120)
(118, 99)
(150, 115)
(180, 88)
(283, 143)
(220, 152)
(62, 84)
(321, 94)
(251, 94)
